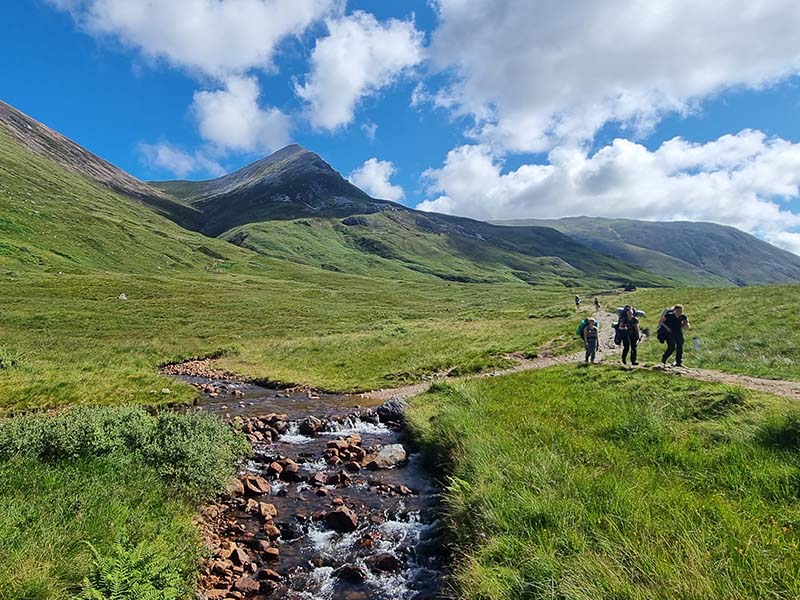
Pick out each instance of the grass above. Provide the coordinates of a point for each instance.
(67, 339)
(750, 330)
(93, 493)
(601, 483)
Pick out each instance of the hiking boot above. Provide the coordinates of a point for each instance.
(635, 364)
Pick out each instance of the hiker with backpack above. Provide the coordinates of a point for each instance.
(629, 334)
(577, 302)
(590, 338)
(670, 330)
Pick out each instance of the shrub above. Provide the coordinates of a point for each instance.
(196, 452)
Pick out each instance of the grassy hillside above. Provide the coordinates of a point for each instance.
(56, 220)
(405, 244)
(689, 253)
(616, 484)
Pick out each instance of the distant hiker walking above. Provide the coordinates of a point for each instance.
(590, 335)
(577, 302)
(596, 305)
(629, 334)
(671, 326)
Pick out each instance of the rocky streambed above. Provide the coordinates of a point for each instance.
(333, 505)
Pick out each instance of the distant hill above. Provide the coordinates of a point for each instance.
(294, 205)
(696, 253)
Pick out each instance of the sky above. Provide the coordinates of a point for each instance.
(491, 109)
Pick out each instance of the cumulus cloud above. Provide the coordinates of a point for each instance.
(739, 180)
(212, 37)
(232, 119)
(538, 74)
(180, 162)
(374, 178)
(359, 56)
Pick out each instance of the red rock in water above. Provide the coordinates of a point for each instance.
(247, 585)
(240, 557)
(267, 511)
(384, 563)
(256, 485)
(342, 519)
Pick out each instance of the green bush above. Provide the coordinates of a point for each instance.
(195, 452)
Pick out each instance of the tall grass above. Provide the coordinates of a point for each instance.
(600, 483)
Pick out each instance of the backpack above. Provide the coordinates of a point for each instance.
(579, 331)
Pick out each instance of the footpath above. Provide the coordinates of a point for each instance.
(609, 352)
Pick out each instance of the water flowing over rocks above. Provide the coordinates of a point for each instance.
(334, 504)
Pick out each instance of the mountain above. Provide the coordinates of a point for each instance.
(295, 206)
(64, 208)
(288, 184)
(42, 141)
(696, 253)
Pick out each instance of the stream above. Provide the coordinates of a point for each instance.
(334, 504)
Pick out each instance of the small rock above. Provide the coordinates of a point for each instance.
(166, 391)
(257, 485)
(310, 426)
(388, 457)
(267, 511)
(272, 554)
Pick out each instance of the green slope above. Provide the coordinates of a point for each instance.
(687, 252)
(408, 244)
(57, 220)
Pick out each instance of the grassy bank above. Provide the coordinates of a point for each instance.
(748, 330)
(95, 499)
(601, 483)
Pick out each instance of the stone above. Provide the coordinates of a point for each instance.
(256, 485)
(338, 445)
(352, 573)
(392, 411)
(272, 553)
(353, 466)
(247, 585)
(342, 519)
(239, 557)
(310, 426)
(384, 563)
(274, 469)
(267, 511)
(388, 457)
(318, 479)
(269, 574)
(271, 531)
(234, 487)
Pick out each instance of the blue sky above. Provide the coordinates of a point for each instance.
(490, 109)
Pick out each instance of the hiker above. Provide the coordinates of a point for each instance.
(577, 302)
(596, 305)
(629, 334)
(672, 323)
(590, 334)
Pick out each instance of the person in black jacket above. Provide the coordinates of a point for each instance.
(673, 322)
(629, 334)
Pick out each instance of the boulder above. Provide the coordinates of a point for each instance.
(384, 563)
(392, 411)
(310, 426)
(342, 519)
(388, 457)
(256, 485)
(267, 511)
(352, 573)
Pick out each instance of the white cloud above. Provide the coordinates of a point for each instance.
(538, 74)
(373, 177)
(370, 129)
(214, 37)
(232, 119)
(170, 158)
(358, 57)
(737, 180)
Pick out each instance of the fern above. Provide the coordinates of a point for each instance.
(131, 572)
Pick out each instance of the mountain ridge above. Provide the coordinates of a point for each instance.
(708, 253)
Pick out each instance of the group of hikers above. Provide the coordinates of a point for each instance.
(628, 333)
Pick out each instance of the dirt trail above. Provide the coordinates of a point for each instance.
(608, 353)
